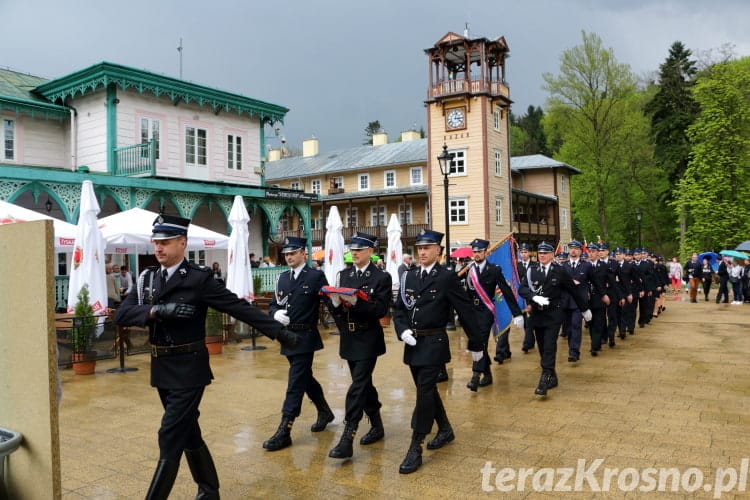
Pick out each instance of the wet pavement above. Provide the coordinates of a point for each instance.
(674, 395)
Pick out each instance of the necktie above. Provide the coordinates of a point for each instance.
(424, 275)
(294, 276)
(359, 274)
(164, 275)
(545, 271)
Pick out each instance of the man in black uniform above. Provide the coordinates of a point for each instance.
(420, 317)
(572, 324)
(601, 297)
(523, 265)
(361, 340)
(542, 288)
(172, 301)
(481, 280)
(646, 302)
(614, 293)
(296, 304)
(623, 277)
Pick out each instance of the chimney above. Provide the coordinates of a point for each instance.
(274, 154)
(409, 135)
(379, 139)
(310, 147)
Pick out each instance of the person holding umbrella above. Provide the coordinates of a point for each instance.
(172, 300)
(707, 274)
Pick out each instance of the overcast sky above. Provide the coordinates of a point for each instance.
(340, 64)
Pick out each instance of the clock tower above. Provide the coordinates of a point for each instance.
(467, 110)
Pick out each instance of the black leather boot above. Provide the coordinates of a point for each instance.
(282, 438)
(541, 389)
(442, 375)
(161, 483)
(325, 416)
(204, 473)
(486, 379)
(552, 380)
(473, 384)
(413, 459)
(344, 449)
(443, 437)
(376, 432)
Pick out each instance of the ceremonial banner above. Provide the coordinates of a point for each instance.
(503, 254)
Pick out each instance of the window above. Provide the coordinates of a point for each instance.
(458, 162)
(390, 179)
(498, 162)
(197, 256)
(150, 131)
(195, 146)
(316, 186)
(295, 185)
(416, 175)
(352, 217)
(364, 182)
(497, 117)
(377, 216)
(564, 218)
(9, 139)
(404, 213)
(499, 210)
(317, 222)
(459, 212)
(563, 183)
(234, 152)
(285, 221)
(337, 182)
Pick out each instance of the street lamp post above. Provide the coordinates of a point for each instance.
(638, 217)
(444, 160)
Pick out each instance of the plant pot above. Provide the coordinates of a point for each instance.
(385, 320)
(84, 363)
(214, 344)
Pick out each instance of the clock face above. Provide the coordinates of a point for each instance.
(455, 118)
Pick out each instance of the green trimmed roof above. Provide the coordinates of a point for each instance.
(16, 95)
(104, 73)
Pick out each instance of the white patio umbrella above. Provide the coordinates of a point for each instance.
(88, 256)
(395, 250)
(334, 247)
(239, 274)
(65, 232)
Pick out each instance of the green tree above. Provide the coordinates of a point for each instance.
(527, 133)
(715, 190)
(372, 128)
(672, 111)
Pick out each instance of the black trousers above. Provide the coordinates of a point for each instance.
(706, 288)
(179, 429)
(723, 289)
(429, 407)
(362, 397)
(486, 319)
(611, 321)
(301, 381)
(546, 335)
(572, 327)
(528, 333)
(598, 327)
(645, 308)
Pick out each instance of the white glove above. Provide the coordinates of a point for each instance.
(335, 299)
(542, 301)
(476, 355)
(281, 316)
(518, 321)
(352, 299)
(586, 315)
(408, 337)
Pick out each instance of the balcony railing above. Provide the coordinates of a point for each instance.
(408, 231)
(136, 160)
(450, 87)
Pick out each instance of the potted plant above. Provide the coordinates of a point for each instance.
(257, 284)
(82, 334)
(214, 331)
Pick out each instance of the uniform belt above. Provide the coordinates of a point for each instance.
(169, 350)
(353, 327)
(546, 308)
(428, 331)
(300, 326)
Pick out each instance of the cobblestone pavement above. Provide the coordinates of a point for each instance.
(674, 395)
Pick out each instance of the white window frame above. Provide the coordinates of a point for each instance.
(412, 172)
(385, 179)
(9, 139)
(564, 218)
(459, 162)
(295, 185)
(352, 217)
(363, 182)
(458, 208)
(234, 152)
(337, 181)
(378, 215)
(563, 183)
(498, 154)
(150, 129)
(497, 118)
(197, 257)
(196, 146)
(405, 216)
(499, 201)
(316, 186)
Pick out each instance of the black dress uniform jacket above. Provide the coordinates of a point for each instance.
(603, 283)
(581, 274)
(189, 284)
(359, 325)
(301, 298)
(429, 305)
(492, 276)
(552, 287)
